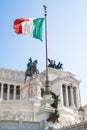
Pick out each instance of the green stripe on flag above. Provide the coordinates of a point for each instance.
(37, 30)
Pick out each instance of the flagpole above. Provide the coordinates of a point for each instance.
(47, 87)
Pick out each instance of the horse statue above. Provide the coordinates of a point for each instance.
(59, 66)
(31, 69)
(52, 64)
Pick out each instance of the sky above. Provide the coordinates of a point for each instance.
(66, 36)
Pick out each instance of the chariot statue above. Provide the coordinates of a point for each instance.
(52, 64)
(59, 66)
(31, 69)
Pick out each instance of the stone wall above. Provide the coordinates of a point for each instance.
(26, 125)
(20, 125)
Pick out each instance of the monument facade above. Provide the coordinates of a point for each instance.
(24, 101)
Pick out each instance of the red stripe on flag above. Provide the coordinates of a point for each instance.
(18, 26)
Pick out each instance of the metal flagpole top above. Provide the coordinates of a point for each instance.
(44, 6)
(45, 10)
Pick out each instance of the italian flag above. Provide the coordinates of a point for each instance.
(31, 27)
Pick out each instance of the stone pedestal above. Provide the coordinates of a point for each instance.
(31, 91)
(45, 109)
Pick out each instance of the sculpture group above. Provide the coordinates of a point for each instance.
(53, 116)
(32, 67)
(31, 70)
(52, 64)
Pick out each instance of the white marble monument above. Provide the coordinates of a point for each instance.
(19, 100)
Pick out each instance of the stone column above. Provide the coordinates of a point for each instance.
(61, 94)
(72, 97)
(67, 100)
(77, 97)
(14, 92)
(8, 92)
(2, 91)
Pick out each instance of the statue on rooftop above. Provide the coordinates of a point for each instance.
(52, 64)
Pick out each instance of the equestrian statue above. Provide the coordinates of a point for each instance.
(31, 69)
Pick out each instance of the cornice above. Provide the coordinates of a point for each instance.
(10, 81)
(10, 70)
(61, 75)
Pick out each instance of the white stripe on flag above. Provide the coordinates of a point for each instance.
(27, 27)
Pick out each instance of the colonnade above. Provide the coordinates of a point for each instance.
(9, 91)
(71, 97)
